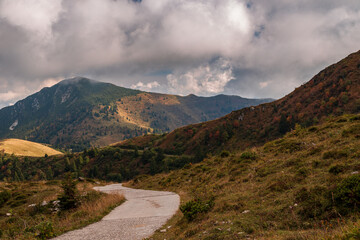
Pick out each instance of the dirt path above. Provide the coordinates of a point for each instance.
(144, 212)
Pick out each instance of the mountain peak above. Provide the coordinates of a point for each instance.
(77, 80)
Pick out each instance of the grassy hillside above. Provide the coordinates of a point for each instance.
(78, 113)
(335, 90)
(20, 147)
(303, 186)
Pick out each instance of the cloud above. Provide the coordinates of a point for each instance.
(171, 42)
(147, 87)
(205, 79)
(34, 16)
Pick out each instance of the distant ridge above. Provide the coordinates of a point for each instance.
(77, 113)
(333, 91)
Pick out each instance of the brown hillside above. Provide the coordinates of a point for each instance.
(334, 91)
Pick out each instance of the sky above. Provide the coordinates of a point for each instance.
(256, 49)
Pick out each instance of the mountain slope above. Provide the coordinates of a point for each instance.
(77, 113)
(301, 186)
(20, 147)
(335, 90)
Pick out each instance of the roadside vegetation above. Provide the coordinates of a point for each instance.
(303, 186)
(45, 209)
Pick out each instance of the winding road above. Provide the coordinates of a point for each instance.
(139, 217)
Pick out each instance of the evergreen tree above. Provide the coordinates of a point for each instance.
(73, 167)
(284, 125)
(87, 160)
(67, 164)
(69, 198)
(49, 173)
(80, 161)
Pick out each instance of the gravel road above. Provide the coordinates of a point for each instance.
(144, 212)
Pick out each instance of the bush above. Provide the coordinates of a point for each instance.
(4, 197)
(43, 230)
(69, 198)
(335, 154)
(347, 195)
(248, 155)
(336, 169)
(313, 203)
(194, 207)
(224, 154)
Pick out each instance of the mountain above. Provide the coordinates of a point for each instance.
(79, 112)
(20, 147)
(333, 91)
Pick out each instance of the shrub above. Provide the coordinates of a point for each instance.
(313, 203)
(335, 154)
(4, 197)
(347, 195)
(224, 154)
(194, 207)
(43, 230)
(336, 169)
(69, 198)
(248, 155)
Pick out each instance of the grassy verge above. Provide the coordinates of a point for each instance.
(28, 210)
(303, 186)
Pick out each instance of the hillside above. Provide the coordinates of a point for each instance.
(79, 113)
(20, 147)
(333, 91)
(302, 186)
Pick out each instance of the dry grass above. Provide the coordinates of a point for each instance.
(25, 148)
(26, 222)
(89, 212)
(257, 197)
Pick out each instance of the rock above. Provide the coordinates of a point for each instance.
(44, 203)
(8, 214)
(355, 172)
(163, 230)
(32, 205)
(246, 211)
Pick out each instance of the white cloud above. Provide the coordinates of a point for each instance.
(205, 79)
(146, 86)
(263, 84)
(10, 95)
(50, 82)
(35, 16)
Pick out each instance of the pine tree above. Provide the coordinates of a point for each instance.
(80, 161)
(69, 199)
(67, 164)
(73, 167)
(49, 173)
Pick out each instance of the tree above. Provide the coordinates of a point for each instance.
(284, 125)
(69, 198)
(67, 164)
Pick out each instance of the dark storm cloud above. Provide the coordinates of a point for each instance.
(262, 48)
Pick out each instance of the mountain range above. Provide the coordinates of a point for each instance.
(333, 91)
(78, 113)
